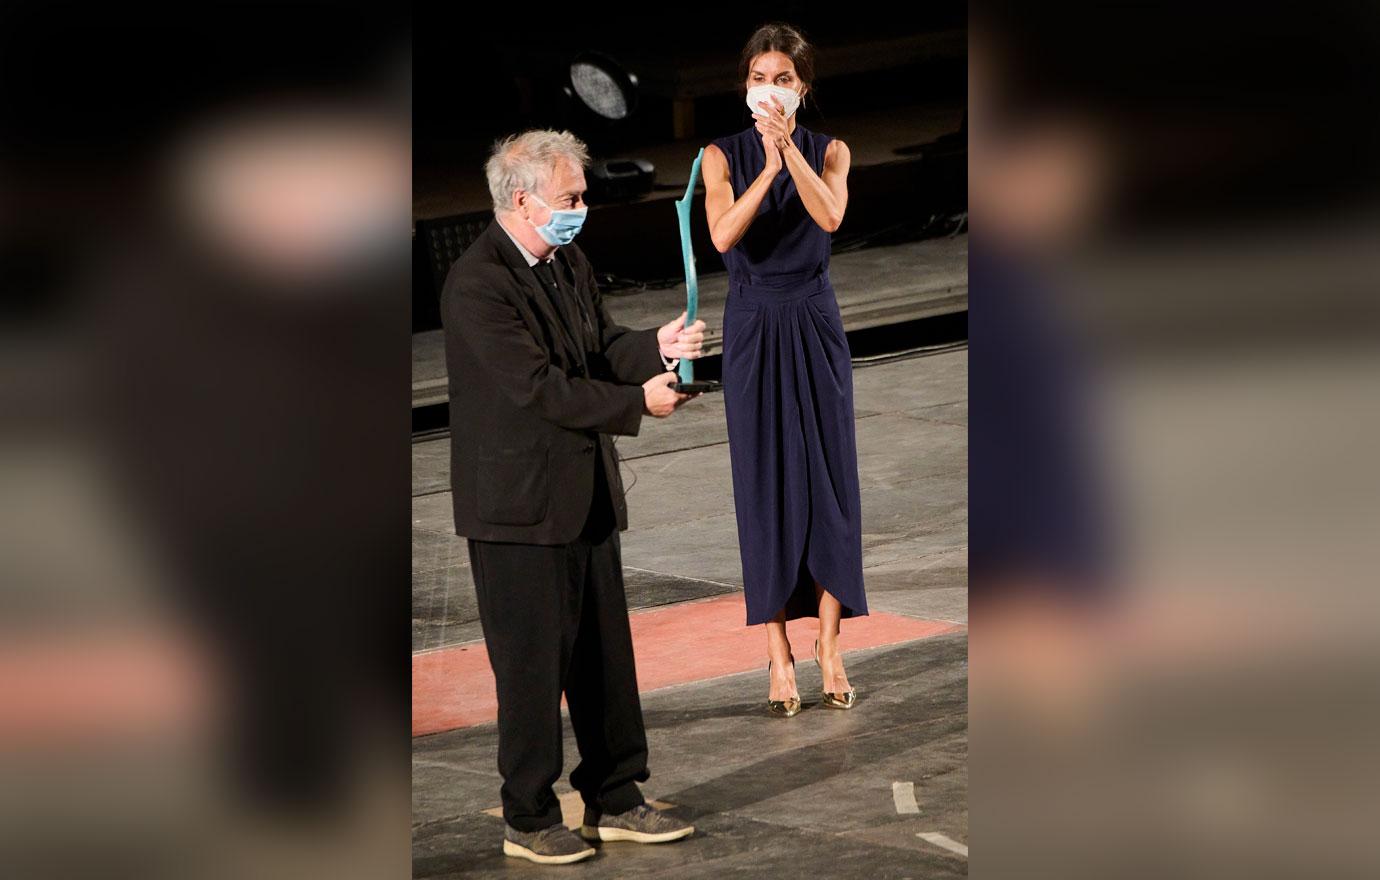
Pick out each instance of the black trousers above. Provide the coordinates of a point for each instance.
(555, 620)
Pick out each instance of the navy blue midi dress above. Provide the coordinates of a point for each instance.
(788, 396)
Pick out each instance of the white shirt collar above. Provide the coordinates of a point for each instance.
(527, 255)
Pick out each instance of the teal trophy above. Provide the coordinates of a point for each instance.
(687, 383)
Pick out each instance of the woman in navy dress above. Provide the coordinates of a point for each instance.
(774, 194)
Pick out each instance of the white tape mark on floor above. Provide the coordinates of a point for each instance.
(938, 839)
(903, 793)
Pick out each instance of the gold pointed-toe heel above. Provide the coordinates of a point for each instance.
(840, 701)
(835, 701)
(787, 708)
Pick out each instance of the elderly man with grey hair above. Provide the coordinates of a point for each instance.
(539, 376)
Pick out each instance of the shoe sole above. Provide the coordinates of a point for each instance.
(517, 850)
(607, 834)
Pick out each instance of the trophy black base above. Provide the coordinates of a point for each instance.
(699, 386)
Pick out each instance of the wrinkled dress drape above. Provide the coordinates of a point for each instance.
(788, 395)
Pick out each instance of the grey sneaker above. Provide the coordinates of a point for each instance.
(556, 845)
(642, 824)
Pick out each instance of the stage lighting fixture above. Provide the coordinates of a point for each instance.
(603, 86)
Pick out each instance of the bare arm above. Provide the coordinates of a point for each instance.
(729, 219)
(825, 196)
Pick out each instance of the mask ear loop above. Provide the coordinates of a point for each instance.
(538, 198)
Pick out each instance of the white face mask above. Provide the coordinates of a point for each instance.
(788, 98)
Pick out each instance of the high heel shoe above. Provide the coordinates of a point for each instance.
(787, 708)
(835, 701)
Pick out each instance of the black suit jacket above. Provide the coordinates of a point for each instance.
(531, 398)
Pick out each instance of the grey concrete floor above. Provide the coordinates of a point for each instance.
(874, 287)
(769, 796)
(912, 430)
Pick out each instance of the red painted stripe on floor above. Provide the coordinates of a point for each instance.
(454, 687)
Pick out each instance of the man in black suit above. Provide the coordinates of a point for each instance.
(538, 375)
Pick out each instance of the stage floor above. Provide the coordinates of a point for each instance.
(874, 286)
(769, 796)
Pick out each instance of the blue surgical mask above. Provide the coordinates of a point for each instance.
(563, 225)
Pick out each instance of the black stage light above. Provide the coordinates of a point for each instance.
(619, 180)
(603, 86)
(606, 95)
